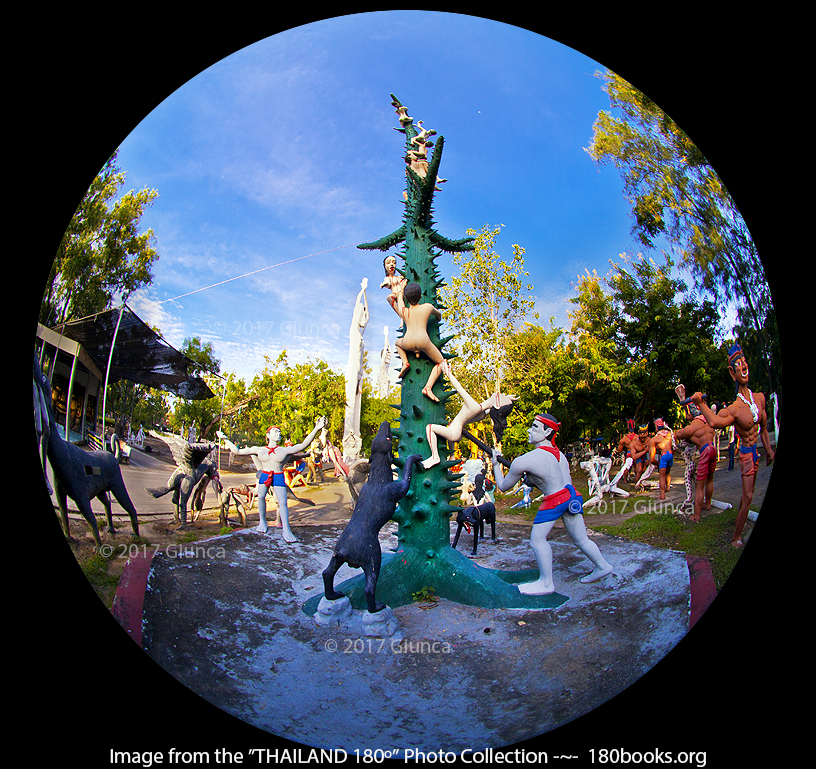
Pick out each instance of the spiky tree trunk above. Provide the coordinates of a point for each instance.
(424, 557)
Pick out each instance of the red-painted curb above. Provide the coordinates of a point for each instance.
(128, 602)
(703, 590)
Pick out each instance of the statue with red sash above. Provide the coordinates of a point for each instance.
(548, 469)
(747, 414)
(271, 459)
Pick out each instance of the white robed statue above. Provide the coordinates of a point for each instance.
(352, 442)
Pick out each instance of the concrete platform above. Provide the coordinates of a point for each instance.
(226, 619)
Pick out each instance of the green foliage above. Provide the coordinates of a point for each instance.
(102, 252)
(426, 594)
(482, 305)
(373, 412)
(540, 373)
(134, 404)
(292, 397)
(202, 414)
(675, 192)
(635, 334)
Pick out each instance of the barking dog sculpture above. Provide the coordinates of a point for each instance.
(476, 516)
(78, 474)
(359, 545)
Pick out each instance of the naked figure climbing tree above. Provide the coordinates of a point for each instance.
(424, 557)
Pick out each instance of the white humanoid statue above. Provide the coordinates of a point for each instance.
(354, 376)
(548, 469)
(471, 411)
(272, 459)
(383, 380)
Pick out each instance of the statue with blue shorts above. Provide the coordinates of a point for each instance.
(272, 459)
(548, 469)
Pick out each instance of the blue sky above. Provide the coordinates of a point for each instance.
(287, 149)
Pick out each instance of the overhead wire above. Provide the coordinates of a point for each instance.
(254, 272)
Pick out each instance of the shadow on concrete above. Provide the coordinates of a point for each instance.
(225, 618)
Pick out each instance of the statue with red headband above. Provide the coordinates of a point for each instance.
(272, 459)
(661, 454)
(548, 469)
(633, 448)
(747, 414)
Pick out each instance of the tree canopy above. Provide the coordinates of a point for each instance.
(676, 193)
(636, 333)
(482, 304)
(102, 253)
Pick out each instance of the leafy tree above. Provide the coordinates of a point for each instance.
(199, 413)
(541, 373)
(675, 192)
(133, 404)
(637, 334)
(373, 412)
(292, 397)
(102, 253)
(482, 305)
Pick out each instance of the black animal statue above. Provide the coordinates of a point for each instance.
(476, 516)
(192, 468)
(359, 544)
(200, 494)
(78, 474)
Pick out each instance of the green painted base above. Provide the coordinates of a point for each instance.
(451, 574)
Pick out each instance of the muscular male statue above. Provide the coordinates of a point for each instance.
(272, 459)
(747, 414)
(548, 469)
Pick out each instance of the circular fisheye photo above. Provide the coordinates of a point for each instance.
(407, 387)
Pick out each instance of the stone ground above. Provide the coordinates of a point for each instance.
(229, 627)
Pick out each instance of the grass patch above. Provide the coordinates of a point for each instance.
(710, 538)
(101, 573)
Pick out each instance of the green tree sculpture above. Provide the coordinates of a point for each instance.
(424, 558)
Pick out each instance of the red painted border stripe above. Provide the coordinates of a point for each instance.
(703, 590)
(128, 602)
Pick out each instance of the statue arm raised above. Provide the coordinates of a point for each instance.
(233, 448)
(319, 425)
(723, 419)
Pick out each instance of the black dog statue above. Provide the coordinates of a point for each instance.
(476, 516)
(359, 544)
(78, 474)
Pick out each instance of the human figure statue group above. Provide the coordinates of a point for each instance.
(746, 416)
(547, 469)
(83, 475)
